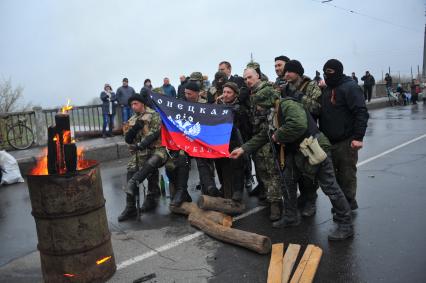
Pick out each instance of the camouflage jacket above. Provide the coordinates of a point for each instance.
(308, 92)
(262, 103)
(151, 124)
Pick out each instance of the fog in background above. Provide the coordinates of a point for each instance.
(69, 49)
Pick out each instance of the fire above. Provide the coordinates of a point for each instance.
(69, 275)
(66, 108)
(102, 260)
(41, 165)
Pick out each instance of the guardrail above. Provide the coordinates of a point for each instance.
(86, 122)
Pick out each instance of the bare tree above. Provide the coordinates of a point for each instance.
(9, 96)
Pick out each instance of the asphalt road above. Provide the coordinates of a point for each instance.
(388, 245)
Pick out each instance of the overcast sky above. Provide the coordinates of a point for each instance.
(69, 49)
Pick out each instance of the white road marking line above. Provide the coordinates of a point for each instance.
(192, 236)
(390, 150)
(176, 243)
(166, 247)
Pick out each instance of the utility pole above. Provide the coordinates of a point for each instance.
(251, 57)
(389, 70)
(424, 55)
(411, 72)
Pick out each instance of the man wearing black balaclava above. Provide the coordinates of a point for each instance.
(343, 119)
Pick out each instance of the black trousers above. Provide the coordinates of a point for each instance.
(327, 181)
(368, 90)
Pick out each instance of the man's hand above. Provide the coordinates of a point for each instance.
(236, 153)
(356, 144)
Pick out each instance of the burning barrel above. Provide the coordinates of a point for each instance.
(68, 206)
(72, 227)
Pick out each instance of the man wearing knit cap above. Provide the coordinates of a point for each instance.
(231, 171)
(343, 119)
(308, 93)
(147, 155)
(280, 62)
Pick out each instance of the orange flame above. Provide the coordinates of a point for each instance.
(102, 260)
(41, 166)
(66, 108)
(69, 275)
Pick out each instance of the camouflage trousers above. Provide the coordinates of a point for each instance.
(344, 161)
(138, 160)
(268, 173)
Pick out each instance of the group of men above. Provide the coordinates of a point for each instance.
(298, 135)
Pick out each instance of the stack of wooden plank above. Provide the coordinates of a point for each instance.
(281, 265)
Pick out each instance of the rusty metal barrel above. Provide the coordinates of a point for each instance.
(72, 228)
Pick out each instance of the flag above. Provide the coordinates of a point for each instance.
(200, 129)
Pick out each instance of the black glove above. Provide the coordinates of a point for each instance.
(148, 140)
(133, 131)
(138, 125)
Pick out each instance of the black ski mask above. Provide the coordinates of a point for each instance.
(332, 79)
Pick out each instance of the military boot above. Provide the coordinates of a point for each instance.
(213, 192)
(130, 210)
(149, 203)
(309, 209)
(276, 209)
(342, 232)
(180, 196)
(286, 221)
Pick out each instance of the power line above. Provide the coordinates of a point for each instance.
(328, 2)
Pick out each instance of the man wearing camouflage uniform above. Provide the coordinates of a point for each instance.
(308, 93)
(143, 138)
(256, 66)
(305, 148)
(262, 157)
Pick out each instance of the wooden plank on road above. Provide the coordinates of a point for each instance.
(276, 264)
(308, 274)
(289, 260)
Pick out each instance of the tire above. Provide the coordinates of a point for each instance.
(20, 136)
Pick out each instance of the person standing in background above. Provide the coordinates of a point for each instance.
(124, 92)
(109, 101)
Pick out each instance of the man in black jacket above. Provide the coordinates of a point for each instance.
(343, 119)
(369, 82)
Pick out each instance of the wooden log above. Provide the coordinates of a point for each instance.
(70, 152)
(227, 206)
(276, 264)
(311, 267)
(289, 260)
(258, 243)
(189, 207)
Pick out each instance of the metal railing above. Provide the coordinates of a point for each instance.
(86, 121)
